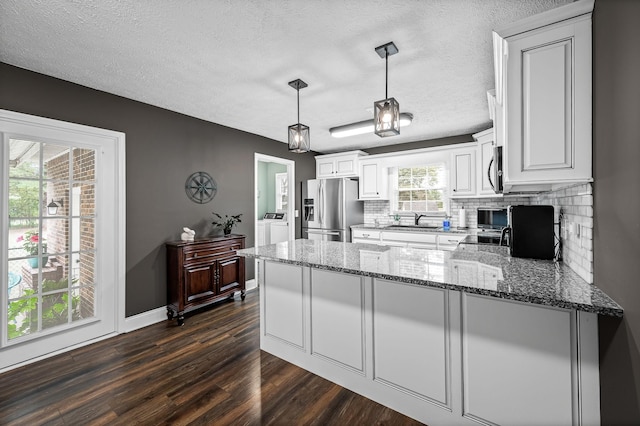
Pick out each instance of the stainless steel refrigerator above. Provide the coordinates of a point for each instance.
(329, 208)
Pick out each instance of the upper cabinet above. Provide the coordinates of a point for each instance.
(484, 163)
(344, 164)
(373, 181)
(543, 97)
(463, 169)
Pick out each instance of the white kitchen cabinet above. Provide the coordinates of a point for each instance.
(409, 239)
(373, 182)
(359, 235)
(408, 325)
(449, 242)
(463, 173)
(344, 164)
(506, 344)
(337, 303)
(544, 66)
(284, 317)
(483, 160)
(439, 356)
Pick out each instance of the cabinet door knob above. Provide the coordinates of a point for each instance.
(195, 255)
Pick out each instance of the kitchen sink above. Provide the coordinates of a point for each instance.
(413, 227)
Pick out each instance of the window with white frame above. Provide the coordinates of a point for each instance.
(420, 189)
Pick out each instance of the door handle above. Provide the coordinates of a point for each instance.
(309, 231)
(489, 174)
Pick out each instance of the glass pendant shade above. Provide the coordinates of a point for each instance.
(386, 117)
(299, 139)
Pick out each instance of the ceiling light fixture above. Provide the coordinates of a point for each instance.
(366, 126)
(299, 140)
(386, 113)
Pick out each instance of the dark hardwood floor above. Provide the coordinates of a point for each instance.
(211, 371)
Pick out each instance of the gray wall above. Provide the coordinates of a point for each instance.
(162, 149)
(616, 161)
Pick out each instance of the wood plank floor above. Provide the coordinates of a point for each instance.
(211, 371)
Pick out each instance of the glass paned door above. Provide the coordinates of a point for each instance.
(62, 246)
(52, 243)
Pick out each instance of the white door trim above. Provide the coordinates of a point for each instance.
(55, 129)
(291, 174)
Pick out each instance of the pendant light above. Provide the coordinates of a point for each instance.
(386, 113)
(299, 140)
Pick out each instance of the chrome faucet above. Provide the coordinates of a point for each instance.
(417, 218)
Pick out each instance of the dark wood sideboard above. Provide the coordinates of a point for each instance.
(202, 272)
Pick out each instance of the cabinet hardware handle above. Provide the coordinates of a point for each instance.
(195, 254)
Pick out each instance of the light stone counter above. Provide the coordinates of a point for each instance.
(540, 282)
(419, 228)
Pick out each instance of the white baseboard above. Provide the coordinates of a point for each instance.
(251, 284)
(157, 315)
(145, 319)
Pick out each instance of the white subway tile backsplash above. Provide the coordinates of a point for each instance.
(576, 204)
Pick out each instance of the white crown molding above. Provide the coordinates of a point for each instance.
(559, 14)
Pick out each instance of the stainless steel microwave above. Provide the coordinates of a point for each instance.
(490, 218)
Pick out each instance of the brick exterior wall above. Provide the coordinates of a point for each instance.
(58, 230)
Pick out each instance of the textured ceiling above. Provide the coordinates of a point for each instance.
(229, 61)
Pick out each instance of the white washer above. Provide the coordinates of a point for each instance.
(264, 228)
(273, 228)
(279, 231)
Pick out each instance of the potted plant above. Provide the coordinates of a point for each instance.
(30, 240)
(227, 222)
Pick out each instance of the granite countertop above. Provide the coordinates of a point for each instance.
(412, 229)
(482, 269)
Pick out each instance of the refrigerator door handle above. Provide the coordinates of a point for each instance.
(309, 231)
(321, 202)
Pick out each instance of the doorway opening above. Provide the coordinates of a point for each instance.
(274, 188)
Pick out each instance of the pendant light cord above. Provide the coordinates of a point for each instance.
(298, 90)
(386, 73)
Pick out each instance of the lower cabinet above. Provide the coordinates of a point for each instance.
(517, 363)
(439, 356)
(365, 236)
(410, 340)
(425, 240)
(203, 272)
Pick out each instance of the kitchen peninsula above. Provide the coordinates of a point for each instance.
(456, 337)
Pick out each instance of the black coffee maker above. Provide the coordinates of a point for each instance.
(530, 232)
